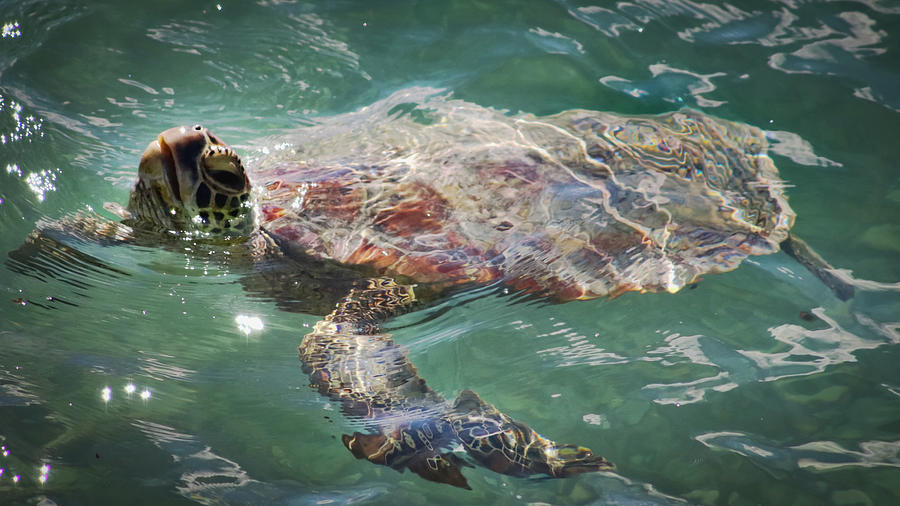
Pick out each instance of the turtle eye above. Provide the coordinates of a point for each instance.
(197, 128)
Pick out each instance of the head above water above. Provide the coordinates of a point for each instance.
(189, 180)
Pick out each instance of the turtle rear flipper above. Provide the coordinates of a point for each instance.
(386, 450)
(511, 447)
(802, 253)
(443, 468)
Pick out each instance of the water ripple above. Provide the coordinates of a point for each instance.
(283, 71)
(677, 349)
(15, 390)
(816, 455)
(204, 473)
(208, 477)
(841, 44)
(810, 351)
(796, 148)
(605, 21)
(827, 455)
(555, 42)
(670, 83)
(750, 446)
(155, 367)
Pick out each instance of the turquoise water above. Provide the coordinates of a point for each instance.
(756, 387)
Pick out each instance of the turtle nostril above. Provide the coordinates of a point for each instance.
(198, 127)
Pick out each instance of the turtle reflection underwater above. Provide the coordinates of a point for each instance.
(422, 188)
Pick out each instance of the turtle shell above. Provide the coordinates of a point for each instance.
(581, 204)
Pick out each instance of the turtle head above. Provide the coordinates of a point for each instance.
(190, 180)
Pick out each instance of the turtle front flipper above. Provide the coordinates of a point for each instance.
(507, 446)
(804, 254)
(350, 360)
(51, 251)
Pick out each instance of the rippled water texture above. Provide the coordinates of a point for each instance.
(136, 374)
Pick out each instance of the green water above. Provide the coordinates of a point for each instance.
(756, 387)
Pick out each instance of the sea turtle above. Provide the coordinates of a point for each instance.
(423, 188)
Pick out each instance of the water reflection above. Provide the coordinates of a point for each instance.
(579, 351)
(816, 455)
(8, 465)
(750, 446)
(688, 392)
(858, 41)
(847, 276)
(704, 364)
(204, 474)
(15, 390)
(157, 366)
(838, 44)
(796, 148)
(316, 55)
(106, 393)
(809, 351)
(555, 42)
(842, 47)
(670, 83)
(249, 324)
(606, 21)
(827, 455)
(10, 30)
(23, 127)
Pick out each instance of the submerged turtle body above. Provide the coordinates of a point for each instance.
(431, 190)
(579, 205)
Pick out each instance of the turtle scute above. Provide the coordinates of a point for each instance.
(578, 205)
(507, 446)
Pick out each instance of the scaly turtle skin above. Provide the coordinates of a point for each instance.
(440, 192)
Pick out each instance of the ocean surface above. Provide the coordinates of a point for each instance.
(143, 375)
